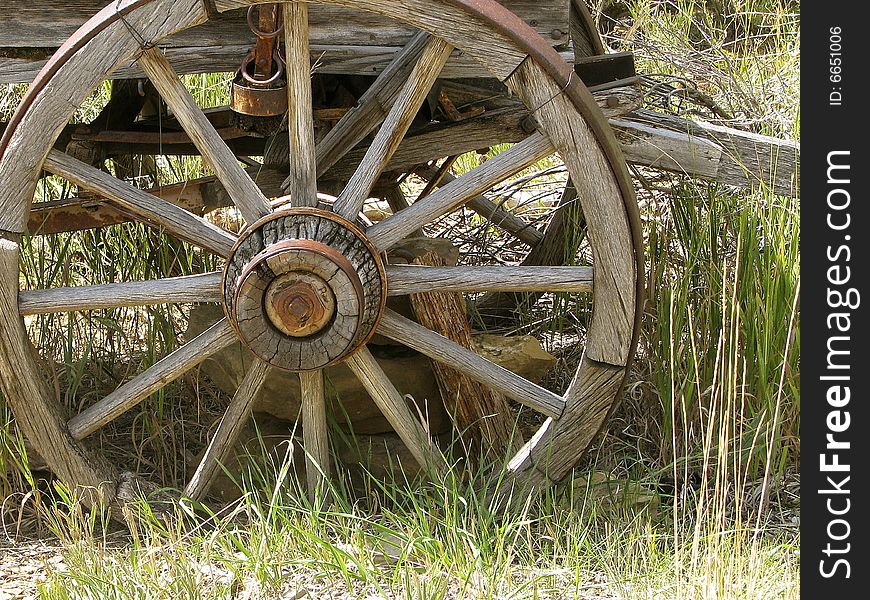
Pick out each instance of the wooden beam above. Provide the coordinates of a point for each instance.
(698, 149)
(413, 279)
(43, 24)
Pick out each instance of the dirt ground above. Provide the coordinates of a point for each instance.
(24, 564)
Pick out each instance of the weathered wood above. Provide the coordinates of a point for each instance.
(481, 415)
(228, 430)
(150, 209)
(303, 176)
(174, 290)
(396, 124)
(44, 24)
(451, 196)
(419, 338)
(584, 35)
(614, 294)
(459, 27)
(372, 107)
(271, 259)
(38, 413)
(554, 449)
(197, 196)
(335, 59)
(410, 279)
(516, 226)
(391, 403)
(699, 149)
(79, 75)
(244, 192)
(315, 432)
(170, 367)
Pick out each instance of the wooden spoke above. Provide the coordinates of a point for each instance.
(241, 188)
(522, 230)
(303, 176)
(396, 411)
(369, 111)
(151, 209)
(173, 365)
(437, 347)
(173, 290)
(314, 430)
(390, 135)
(453, 195)
(228, 430)
(413, 279)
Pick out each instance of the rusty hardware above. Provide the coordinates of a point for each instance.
(259, 88)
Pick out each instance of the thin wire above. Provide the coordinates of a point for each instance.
(556, 95)
(143, 45)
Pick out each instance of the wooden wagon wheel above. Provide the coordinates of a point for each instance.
(305, 287)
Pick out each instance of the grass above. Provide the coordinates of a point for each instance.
(690, 492)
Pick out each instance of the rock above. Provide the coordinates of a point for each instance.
(347, 401)
(521, 354)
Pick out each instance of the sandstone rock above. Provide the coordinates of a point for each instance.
(521, 354)
(349, 402)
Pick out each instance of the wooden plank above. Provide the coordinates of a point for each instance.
(46, 24)
(244, 192)
(315, 432)
(413, 279)
(303, 176)
(435, 346)
(451, 196)
(723, 154)
(336, 59)
(228, 430)
(170, 367)
(150, 209)
(394, 127)
(53, 106)
(173, 290)
(395, 409)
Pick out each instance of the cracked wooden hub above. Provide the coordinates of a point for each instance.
(304, 289)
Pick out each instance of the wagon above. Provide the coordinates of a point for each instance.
(340, 99)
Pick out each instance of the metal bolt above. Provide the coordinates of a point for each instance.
(529, 124)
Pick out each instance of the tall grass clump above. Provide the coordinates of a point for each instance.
(723, 264)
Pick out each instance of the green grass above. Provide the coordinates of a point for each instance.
(688, 494)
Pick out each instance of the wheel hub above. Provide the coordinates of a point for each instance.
(304, 289)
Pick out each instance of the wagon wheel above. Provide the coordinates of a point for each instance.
(305, 287)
